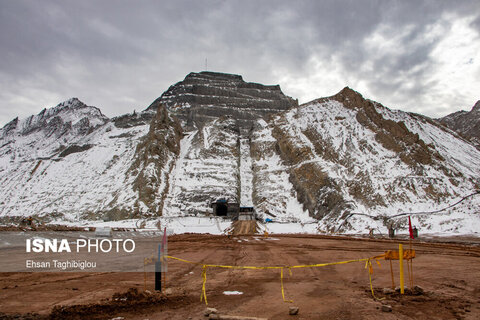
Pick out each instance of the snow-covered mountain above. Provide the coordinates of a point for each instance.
(465, 123)
(206, 170)
(72, 162)
(354, 164)
(343, 163)
(218, 112)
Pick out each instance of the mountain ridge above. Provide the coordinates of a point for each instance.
(71, 113)
(343, 162)
(466, 123)
(204, 96)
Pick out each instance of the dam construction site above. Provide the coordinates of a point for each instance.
(226, 199)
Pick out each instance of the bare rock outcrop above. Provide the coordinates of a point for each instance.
(202, 97)
(465, 123)
(154, 159)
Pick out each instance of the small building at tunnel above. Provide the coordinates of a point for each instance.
(246, 213)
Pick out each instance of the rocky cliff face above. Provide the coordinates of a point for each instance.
(155, 156)
(465, 123)
(49, 133)
(71, 117)
(205, 96)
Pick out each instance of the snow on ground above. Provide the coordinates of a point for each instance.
(230, 293)
(218, 226)
(246, 175)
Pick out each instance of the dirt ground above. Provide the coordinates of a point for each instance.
(448, 270)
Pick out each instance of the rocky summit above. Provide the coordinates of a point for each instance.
(465, 123)
(336, 164)
(202, 97)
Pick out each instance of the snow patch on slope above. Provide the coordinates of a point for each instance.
(204, 171)
(374, 180)
(274, 195)
(32, 185)
(246, 176)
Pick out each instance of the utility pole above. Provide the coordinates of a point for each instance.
(206, 65)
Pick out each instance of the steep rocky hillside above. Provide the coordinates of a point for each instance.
(72, 162)
(465, 123)
(274, 195)
(218, 112)
(353, 164)
(206, 170)
(205, 96)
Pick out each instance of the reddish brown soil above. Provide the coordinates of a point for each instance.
(447, 271)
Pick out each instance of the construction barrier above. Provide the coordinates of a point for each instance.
(407, 255)
(203, 296)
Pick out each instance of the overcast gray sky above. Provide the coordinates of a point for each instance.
(421, 56)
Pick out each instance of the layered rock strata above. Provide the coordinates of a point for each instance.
(205, 96)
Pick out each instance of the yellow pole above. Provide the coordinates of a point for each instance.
(400, 258)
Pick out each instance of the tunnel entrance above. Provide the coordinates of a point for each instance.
(223, 208)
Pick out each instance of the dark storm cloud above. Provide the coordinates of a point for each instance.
(121, 55)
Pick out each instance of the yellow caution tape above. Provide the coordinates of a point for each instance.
(368, 264)
(183, 260)
(283, 291)
(370, 272)
(204, 277)
(275, 267)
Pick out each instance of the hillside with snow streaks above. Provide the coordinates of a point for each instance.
(206, 170)
(245, 173)
(69, 162)
(461, 156)
(465, 123)
(274, 196)
(353, 167)
(336, 164)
